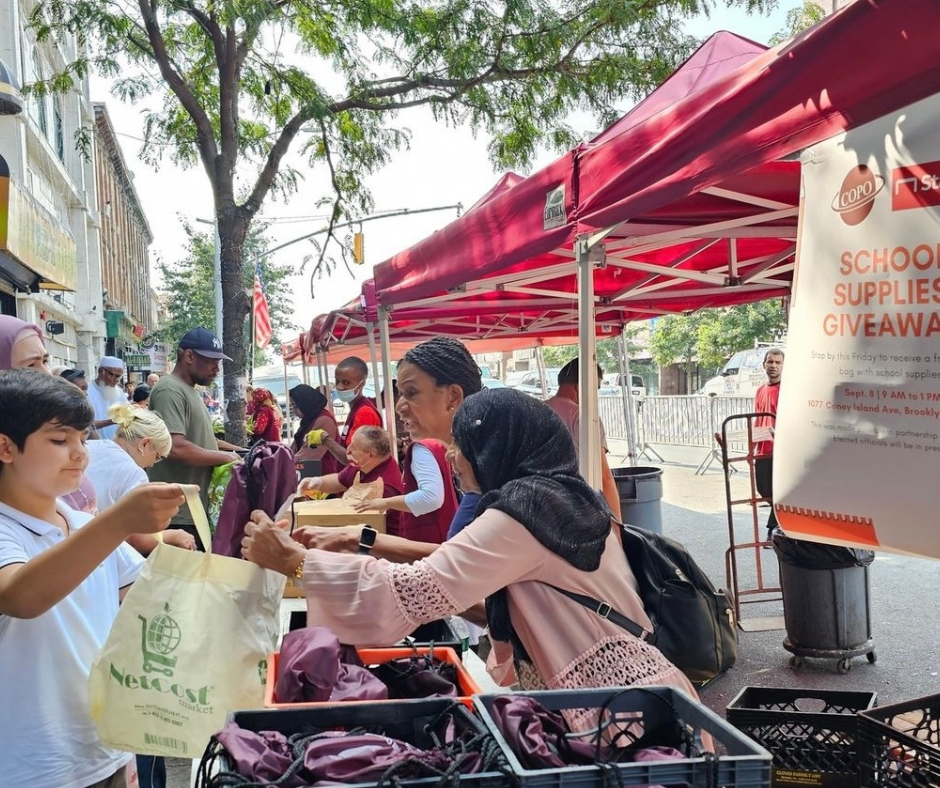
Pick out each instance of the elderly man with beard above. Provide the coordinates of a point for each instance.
(195, 450)
(106, 391)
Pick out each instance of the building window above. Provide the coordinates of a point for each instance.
(42, 118)
(59, 131)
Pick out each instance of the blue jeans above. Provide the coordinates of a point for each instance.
(151, 771)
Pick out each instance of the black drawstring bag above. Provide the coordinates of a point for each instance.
(418, 676)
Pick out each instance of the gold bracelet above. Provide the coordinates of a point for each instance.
(299, 571)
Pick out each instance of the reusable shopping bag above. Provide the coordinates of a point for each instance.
(189, 645)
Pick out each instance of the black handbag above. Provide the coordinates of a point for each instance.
(693, 622)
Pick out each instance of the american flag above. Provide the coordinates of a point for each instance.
(260, 313)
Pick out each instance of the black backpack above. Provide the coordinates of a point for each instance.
(693, 623)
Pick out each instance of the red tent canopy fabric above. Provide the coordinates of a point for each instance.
(697, 207)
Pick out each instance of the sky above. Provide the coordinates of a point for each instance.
(444, 166)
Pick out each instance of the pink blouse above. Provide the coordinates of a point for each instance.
(372, 602)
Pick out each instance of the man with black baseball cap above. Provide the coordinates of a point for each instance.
(195, 451)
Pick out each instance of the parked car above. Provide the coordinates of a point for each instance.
(741, 376)
(532, 383)
(513, 379)
(492, 383)
(610, 384)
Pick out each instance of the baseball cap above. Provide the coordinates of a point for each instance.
(204, 342)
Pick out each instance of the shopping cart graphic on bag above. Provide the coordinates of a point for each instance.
(159, 637)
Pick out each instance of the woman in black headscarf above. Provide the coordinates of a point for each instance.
(310, 405)
(538, 523)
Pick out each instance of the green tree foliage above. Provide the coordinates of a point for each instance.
(711, 336)
(801, 18)
(239, 82)
(190, 290)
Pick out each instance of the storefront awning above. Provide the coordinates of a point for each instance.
(10, 101)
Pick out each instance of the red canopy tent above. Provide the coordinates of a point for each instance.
(693, 201)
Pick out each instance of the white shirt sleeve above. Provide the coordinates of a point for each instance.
(429, 497)
(129, 563)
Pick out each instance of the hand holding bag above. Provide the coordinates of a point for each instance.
(189, 645)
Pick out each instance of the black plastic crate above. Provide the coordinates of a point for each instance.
(408, 720)
(811, 734)
(900, 744)
(740, 762)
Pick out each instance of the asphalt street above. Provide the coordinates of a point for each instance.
(905, 615)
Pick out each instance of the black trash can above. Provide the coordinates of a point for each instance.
(641, 493)
(826, 603)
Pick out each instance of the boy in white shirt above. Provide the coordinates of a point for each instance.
(62, 574)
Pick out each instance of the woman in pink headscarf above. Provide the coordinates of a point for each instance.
(22, 347)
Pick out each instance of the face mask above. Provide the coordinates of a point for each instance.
(346, 396)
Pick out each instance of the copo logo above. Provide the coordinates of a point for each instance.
(857, 195)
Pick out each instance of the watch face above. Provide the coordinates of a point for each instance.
(367, 537)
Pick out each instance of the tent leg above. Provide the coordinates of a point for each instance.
(589, 459)
(387, 380)
(629, 406)
(370, 330)
(540, 365)
(290, 432)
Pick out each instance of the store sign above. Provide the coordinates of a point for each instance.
(137, 360)
(158, 361)
(857, 451)
(30, 234)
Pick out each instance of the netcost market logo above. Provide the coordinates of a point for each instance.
(160, 636)
(856, 196)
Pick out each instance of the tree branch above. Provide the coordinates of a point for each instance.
(205, 139)
(273, 162)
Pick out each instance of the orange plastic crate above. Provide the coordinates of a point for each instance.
(378, 656)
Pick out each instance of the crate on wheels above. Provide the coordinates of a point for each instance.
(737, 762)
(900, 744)
(811, 734)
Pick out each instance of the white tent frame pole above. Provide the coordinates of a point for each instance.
(626, 390)
(387, 379)
(540, 366)
(370, 333)
(287, 415)
(589, 433)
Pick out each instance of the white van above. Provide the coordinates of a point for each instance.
(610, 384)
(742, 375)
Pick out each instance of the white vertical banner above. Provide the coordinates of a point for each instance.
(857, 454)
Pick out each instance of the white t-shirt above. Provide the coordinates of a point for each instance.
(49, 739)
(100, 405)
(112, 472)
(570, 413)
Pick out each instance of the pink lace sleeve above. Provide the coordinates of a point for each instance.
(368, 601)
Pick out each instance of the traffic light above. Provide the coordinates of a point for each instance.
(359, 248)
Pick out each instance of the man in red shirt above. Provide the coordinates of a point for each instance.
(765, 401)
(351, 374)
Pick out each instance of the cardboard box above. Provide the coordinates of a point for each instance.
(336, 511)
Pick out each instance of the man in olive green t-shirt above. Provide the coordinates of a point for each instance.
(195, 451)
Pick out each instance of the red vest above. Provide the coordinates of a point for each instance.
(431, 527)
(765, 401)
(357, 404)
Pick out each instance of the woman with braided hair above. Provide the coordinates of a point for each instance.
(434, 378)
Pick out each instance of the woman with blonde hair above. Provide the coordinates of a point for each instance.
(115, 467)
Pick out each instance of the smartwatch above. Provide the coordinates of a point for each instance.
(366, 540)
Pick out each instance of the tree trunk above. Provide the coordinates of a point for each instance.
(236, 304)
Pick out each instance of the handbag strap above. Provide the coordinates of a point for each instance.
(604, 610)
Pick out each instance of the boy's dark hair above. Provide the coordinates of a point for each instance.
(355, 364)
(141, 392)
(569, 373)
(30, 399)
